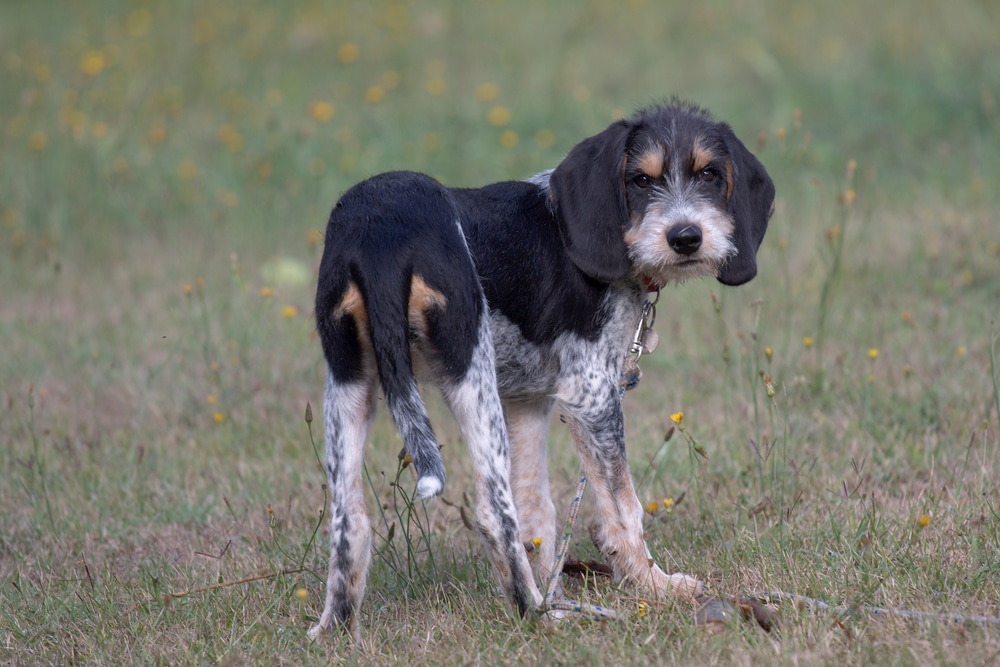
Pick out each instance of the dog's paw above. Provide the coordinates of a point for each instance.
(428, 487)
(320, 630)
(315, 632)
(684, 585)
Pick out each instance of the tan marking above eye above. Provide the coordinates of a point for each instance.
(701, 159)
(650, 161)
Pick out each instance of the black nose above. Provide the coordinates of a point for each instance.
(685, 239)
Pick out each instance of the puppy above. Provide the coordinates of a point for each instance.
(516, 299)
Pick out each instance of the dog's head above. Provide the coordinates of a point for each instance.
(666, 195)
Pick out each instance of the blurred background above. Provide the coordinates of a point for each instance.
(250, 114)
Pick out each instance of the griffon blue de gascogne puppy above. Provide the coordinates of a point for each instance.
(516, 299)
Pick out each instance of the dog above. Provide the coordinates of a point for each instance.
(516, 299)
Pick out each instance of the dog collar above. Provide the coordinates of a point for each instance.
(649, 284)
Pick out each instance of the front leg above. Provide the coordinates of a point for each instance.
(596, 421)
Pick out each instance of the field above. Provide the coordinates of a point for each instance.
(165, 174)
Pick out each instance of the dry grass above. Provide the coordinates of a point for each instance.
(163, 177)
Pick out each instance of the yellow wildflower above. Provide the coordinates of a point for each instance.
(487, 92)
(436, 86)
(545, 138)
(156, 135)
(137, 23)
(92, 63)
(322, 111)
(187, 170)
(348, 53)
(852, 166)
(498, 116)
(431, 142)
(229, 136)
(275, 97)
(227, 198)
(38, 141)
(508, 138)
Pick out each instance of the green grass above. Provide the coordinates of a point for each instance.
(165, 172)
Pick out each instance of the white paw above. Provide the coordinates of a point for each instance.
(685, 584)
(428, 487)
(315, 632)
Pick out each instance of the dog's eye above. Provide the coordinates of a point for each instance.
(643, 181)
(707, 175)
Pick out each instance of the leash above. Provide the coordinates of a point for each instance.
(644, 341)
(812, 604)
(551, 603)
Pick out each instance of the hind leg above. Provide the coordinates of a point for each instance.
(348, 410)
(528, 427)
(475, 403)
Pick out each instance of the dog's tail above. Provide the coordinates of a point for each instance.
(390, 332)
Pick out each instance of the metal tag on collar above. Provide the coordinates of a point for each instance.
(645, 339)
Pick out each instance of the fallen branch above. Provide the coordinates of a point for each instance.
(168, 597)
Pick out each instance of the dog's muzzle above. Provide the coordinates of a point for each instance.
(684, 239)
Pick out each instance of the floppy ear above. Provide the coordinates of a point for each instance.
(588, 191)
(750, 205)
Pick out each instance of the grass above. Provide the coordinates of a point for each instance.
(164, 177)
